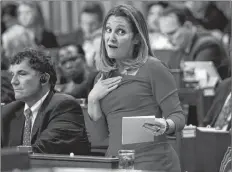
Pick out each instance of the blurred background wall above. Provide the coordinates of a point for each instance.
(63, 16)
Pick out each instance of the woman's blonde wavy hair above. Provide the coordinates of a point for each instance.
(139, 27)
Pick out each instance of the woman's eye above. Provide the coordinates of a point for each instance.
(108, 30)
(22, 73)
(121, 32)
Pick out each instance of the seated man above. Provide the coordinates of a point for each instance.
(196, 44)
(49, 122)
(76, 77)
(219, 114)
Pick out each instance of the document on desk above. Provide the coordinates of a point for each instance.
(211, 130)
(133, 130)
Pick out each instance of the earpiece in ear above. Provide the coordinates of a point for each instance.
(43, 79)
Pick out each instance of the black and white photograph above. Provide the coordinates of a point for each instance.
(116, 85)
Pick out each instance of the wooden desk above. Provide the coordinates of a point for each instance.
(82, 170)
(13, 158)
(210, 149)
(188, 154)
(97, 147)
(51, 160)
(205, 151)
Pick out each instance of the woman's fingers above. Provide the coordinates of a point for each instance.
(108, 83)
(110, 80)
(112, 88)
(104, 86)
(113, 83)
(101, 77)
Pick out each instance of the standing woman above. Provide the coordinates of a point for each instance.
(30, 16)
(132, 82)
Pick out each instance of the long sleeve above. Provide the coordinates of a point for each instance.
(98, 129)
(165, 91)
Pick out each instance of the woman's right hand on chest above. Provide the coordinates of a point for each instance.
(103, 87)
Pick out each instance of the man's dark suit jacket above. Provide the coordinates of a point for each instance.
(203, 47)
(221, 94)
(207, 48)
(59, 127)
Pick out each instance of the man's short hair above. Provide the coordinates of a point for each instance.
(158, 3)
(38, 61)
(94, 8)
(180, 13)
(79, 48)
(10, 9)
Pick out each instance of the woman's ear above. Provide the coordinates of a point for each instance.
(136, 39)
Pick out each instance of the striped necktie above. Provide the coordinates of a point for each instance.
(222, 119)
(27, 128)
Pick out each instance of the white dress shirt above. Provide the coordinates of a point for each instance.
(35, 108)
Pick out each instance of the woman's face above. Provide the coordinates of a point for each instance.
(70, 61)
(89, 23)
(119, 38)
(26, 15)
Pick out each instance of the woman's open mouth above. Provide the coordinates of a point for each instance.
(112, 46)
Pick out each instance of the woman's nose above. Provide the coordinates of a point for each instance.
(112, 37)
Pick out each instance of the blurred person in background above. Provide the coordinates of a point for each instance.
(88, 34)
(206, 14)
(15, 39)
(213, 16)
(7, 92)
(157, 39)
(30, 16)
(90, 24)
(197, 44)
(9, 16)
(132, 82)
(75, 77)
(3, 27)
(91, 18)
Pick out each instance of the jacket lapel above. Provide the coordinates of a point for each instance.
(40, 116)
(18, 125)
(221, 102)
